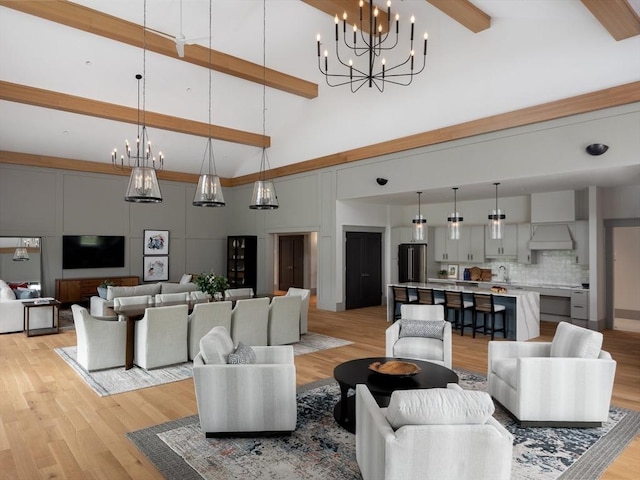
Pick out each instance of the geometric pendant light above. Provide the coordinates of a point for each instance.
(496, 220)
(454, 221)
(209, 190)
(419, 225)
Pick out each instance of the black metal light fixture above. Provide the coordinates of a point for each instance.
(419, 224)
(454, 220)
(209, 190)
(143, 183)
(496, 219)
(264, 195)
(373, 70)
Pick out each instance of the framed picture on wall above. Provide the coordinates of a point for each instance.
(452, 271)
(156, 268)
(156, 242)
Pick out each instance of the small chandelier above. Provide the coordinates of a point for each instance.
(454, 220)
(375, 71)
(21, 253)
(496, 220)
(419, 224)
(264, 195)
(143, 183)
(209, 191)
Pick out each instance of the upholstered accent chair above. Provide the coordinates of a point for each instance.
(238, 292)
(421, 333)
(284, 320)
(172, 297)
(305, 295)
(100, 341)
(199, 295)
(565, 382)
(204, 317)
(134, 300)
(250, 320)
(161, 337)
(431, 434)
(244, 398)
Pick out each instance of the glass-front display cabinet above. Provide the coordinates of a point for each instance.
(242, 261)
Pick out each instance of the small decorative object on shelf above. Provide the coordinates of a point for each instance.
(211, 283)
(102, 288)
(442, 274)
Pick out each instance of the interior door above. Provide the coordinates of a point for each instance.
(291, 262)
(363, 269)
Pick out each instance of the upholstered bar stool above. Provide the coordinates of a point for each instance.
(426, 297)
(483, 303)
(453, 300)
(400, 297)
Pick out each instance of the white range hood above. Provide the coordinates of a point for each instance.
(551, 237)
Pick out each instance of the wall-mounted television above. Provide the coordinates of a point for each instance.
(92, 251)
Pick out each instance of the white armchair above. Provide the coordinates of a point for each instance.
(172, 297)
(204, 317)
(101, 342)
(284, 320)
(431, 343)
(161, 337)
(250, 320)
(566, 382)
(305, 295)
(238, 292)
(431, 434)
(258, 397)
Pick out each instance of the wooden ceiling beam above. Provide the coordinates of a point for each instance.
(14, 92)
(465, 13)
(352, 9)
(617, 16)
(98, 23)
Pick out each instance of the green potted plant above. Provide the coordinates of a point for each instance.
(102, 288)
(213, 284)
(442, 274)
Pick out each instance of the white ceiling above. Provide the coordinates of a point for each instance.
(535, 51)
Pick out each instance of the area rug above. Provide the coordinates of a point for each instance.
(119, 380)
(320, 449)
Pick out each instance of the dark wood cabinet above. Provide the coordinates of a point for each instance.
(77, 290)
(242, 261)
(290, 262)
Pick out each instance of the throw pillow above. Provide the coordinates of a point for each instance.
(186, 278)
(421, 328)
(7, 294)
(242, 354)
(574, 341)
(22, 293)
(216, 345)
(439, 406)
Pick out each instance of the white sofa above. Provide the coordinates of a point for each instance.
(12, 312)
(100, 306)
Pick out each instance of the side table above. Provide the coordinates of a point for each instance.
(55, 310)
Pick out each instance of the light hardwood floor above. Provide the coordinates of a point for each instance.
(54, 426)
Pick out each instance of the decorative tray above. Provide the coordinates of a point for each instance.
(395, 368)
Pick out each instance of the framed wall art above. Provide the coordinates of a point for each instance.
(452, 272)
(156, 268)
(156, 242)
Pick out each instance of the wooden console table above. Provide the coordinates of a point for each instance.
(55, 311)
(75, 290)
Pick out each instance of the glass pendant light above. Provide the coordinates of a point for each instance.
(454, 220)
(419, 225)
(209, 190)
(21, 254)
(496, 220)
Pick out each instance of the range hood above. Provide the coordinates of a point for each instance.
(555, 236)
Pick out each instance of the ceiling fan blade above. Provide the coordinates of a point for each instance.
(191, 41)
(162, 34)
(180, 48)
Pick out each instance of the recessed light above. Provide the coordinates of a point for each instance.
(88, 63)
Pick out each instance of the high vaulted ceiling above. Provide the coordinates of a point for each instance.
(68, 92)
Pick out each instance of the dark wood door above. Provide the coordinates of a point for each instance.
(363, 269)
(291, 262)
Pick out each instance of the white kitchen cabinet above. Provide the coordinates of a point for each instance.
(507, 246)
(581, 240)
(471, 244)
(445, 249)
(580, 304)
(525, 254)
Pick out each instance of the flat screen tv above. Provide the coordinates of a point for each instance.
(92, 251)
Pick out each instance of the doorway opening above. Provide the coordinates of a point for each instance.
(295, 261)
(626, 282)
(363, 269)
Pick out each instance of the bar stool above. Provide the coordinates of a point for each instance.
(426, 297)
(400, 297)
(453, 300)
(483, 303)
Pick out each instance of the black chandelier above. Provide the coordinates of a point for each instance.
(370, 47)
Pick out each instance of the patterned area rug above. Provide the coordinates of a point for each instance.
(320, 449)
(119, 380)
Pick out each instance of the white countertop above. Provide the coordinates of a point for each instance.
(508, 285)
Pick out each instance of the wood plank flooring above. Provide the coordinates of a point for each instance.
(52, 425)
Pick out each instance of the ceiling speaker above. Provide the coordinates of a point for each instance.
(381, 181)
(596, 149)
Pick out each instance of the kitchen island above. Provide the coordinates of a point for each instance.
(522, 306)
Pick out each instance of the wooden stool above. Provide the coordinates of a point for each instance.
(400, 297)
(454, 301)
(426, 297)
(483, 303)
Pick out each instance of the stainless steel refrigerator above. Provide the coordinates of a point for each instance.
(412, 262)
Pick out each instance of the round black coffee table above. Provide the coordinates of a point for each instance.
(350, 373)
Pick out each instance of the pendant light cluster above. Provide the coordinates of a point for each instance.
(209, 190)
(143, 183)
(264, 195)
(496, 220)
(419, 224)
(21, 253)
(454, 220)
